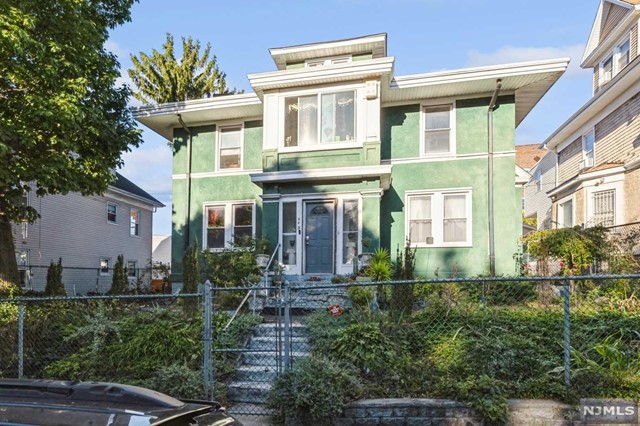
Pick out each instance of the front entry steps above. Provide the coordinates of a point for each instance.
(260, 364)
(305, 300)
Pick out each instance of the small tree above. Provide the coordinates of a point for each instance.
(402, 295)
(55, 287)
(120, 283)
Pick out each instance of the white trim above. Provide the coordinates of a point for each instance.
(383, 172)
(202, 175)
(437, 216)
(443, 99)
(183, 107)
(352, 42)
(131, 210)
(228, 220)
(219, 129)
(585, 177)
(452, 129)
(614, 55)
(598, 49)
(470, 74)
(569, 198)
(457, 157)
(589, 161)
(615, 183)
(328, 60)
(112, 222)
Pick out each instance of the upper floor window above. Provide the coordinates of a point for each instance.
(312, 63)
(230, 148)
(588, 149)
(319, 119)
(537, 178)
(437, 131)
(112, 213)
(134, 229)
(228, 222)
(616, 61)
(439, 218)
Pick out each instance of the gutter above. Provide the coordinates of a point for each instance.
(492, 249)
(188, 174)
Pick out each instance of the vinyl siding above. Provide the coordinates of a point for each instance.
(570, 161)
(537, 203)
(614, 16)
(633, 51)
(75, 229)
(596, 80)
(617, 136)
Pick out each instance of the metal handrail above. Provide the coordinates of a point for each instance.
(253, 290)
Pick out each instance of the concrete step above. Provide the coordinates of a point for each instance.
(248, 392)
(265, 359)
(298, 343)
(257, 374)
(270, 330)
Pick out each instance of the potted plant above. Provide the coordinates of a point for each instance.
(262, 252)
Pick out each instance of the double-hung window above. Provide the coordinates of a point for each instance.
(112, 213)
(565, 214)
(616, 61)
(132, 269)
(134, 224)
(105, 266)
(437, 132)
(588, 145)
(322, 118)
(439, 218)
(230, 148)
(228, 223)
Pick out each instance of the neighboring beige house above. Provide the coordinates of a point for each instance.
(88, 233)
(591, 175)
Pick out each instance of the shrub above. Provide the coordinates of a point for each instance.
(120, 282)
(323, 330)
(361, 297)
(316, 389)
(178, 381)
(55, 287)
(487, 396)
(365, 346)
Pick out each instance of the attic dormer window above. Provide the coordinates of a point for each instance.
(615, 61)
(312, 63)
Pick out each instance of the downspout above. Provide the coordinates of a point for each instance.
(492, 243)
(187, 231)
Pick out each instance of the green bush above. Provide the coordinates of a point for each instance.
(178, 381)
(487, 396)
(316, 389)
(120, 281)
(54, 286)
(323, 330)
(361, 297)
(365, 346)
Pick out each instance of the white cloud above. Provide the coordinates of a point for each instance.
(509, 54)
(121, 52)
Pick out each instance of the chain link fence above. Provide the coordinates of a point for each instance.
(536, 337)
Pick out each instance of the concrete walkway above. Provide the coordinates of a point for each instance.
(254, 420)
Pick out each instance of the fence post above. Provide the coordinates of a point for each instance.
(20, 340)
(566, 291)
(287, 325)
(207, 339)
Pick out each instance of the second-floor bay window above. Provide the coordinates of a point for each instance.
(322, 118)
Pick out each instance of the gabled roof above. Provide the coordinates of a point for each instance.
(613, 17)
(528, 156)
(122, 184)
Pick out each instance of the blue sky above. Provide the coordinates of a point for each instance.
(423, 35)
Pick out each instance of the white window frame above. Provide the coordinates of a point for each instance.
(615, 183)
(134, 231)
(108, 261)
(334, 60)
(113, 222)
(614, 56)
(359, 117)
(452, 129)
(437, 216)
(560, 212)
(588, 157)
(227, 126)
(537, 179)
(228, 221)
(135, 269)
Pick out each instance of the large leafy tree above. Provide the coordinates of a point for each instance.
(63, 121)
(161, 78)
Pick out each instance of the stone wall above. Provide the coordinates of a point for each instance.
(442, 412)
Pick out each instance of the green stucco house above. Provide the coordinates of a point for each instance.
(333, 151)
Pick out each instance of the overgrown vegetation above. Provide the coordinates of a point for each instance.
(484, 342)
(54, 286)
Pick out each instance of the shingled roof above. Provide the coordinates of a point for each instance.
(528, 156)
(124, 184)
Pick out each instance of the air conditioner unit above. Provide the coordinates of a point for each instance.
(587, 162)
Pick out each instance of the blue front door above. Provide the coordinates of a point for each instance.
(319, 242)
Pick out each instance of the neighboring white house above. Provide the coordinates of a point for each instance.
(88, 233)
